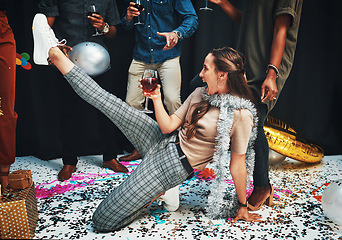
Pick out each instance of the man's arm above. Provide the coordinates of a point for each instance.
(51, 21)
(97, 21)
(269, 87)
(188, 26)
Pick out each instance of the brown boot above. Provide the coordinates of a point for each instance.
(135, 155)
(115, 166)
(66, 172)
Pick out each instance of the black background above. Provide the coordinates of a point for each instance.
(310, 101)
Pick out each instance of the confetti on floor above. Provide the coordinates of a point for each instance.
(65, 208)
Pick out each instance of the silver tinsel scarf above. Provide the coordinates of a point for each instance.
(220, 203)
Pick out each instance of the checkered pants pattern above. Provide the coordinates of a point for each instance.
(159, 170)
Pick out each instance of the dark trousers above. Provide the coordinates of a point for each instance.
(8, 117)
(261, 148)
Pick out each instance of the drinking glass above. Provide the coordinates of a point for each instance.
(140, 7)
(206, 8)
(149, 82)
(91, 11)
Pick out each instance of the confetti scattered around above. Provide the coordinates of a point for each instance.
(298, 214)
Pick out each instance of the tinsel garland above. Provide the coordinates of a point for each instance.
(220, 204)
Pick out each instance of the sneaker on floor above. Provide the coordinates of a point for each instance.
(44, 38)
(170, 199)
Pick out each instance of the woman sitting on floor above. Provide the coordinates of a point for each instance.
(212, 119)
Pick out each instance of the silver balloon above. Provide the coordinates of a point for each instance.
(275, 158)
(332, 201)
(91, 57)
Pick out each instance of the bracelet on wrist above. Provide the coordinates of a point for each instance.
(271, 66)
(242, 205)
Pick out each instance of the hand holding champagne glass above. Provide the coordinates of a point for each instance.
(149, 83)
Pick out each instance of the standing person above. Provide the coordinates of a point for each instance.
(268, 38)
(68, 18)
(158, 46)
(8, 117)
(212, 120)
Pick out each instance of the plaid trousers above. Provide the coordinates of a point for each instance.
(159, 170)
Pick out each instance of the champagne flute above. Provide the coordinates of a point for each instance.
(149, 83)
(140, 7)
(206, 8)
(92, 10)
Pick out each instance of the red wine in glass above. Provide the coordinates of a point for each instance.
(139, 7)
(149, 84)
(91, 13)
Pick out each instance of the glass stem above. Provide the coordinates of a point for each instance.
(146, 103)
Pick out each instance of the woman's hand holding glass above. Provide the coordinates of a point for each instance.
(154, 95)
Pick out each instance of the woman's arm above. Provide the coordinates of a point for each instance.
(166, 123)
(239, 173)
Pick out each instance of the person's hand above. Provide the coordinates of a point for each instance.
(269, 89)
(152, 95)
(218, 2)
(171, 39)
(132, 12)
(243, 214)
(65, 49)
(97, 21)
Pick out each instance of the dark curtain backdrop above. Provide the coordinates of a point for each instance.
(310, 101)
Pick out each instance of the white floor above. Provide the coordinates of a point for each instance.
(65, 209)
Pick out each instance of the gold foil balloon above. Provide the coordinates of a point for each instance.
(332, 201)
(275, 158)
(284, 140)
(91, 57)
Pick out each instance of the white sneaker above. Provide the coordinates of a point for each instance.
(170, 199)
(44, 38)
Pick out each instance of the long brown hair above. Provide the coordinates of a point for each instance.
(227, 60)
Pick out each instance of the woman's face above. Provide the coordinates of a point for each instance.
(209, 74)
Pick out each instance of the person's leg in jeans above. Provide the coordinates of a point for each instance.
(261, 167)
(171, 80)
(135, 97)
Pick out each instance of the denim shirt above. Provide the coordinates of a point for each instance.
(161, 16)
(71, 18)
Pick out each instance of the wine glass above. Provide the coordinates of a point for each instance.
(149, 83)
(140, 7)
(206, 7)
(91, 11)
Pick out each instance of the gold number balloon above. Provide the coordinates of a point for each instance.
(285, 140)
